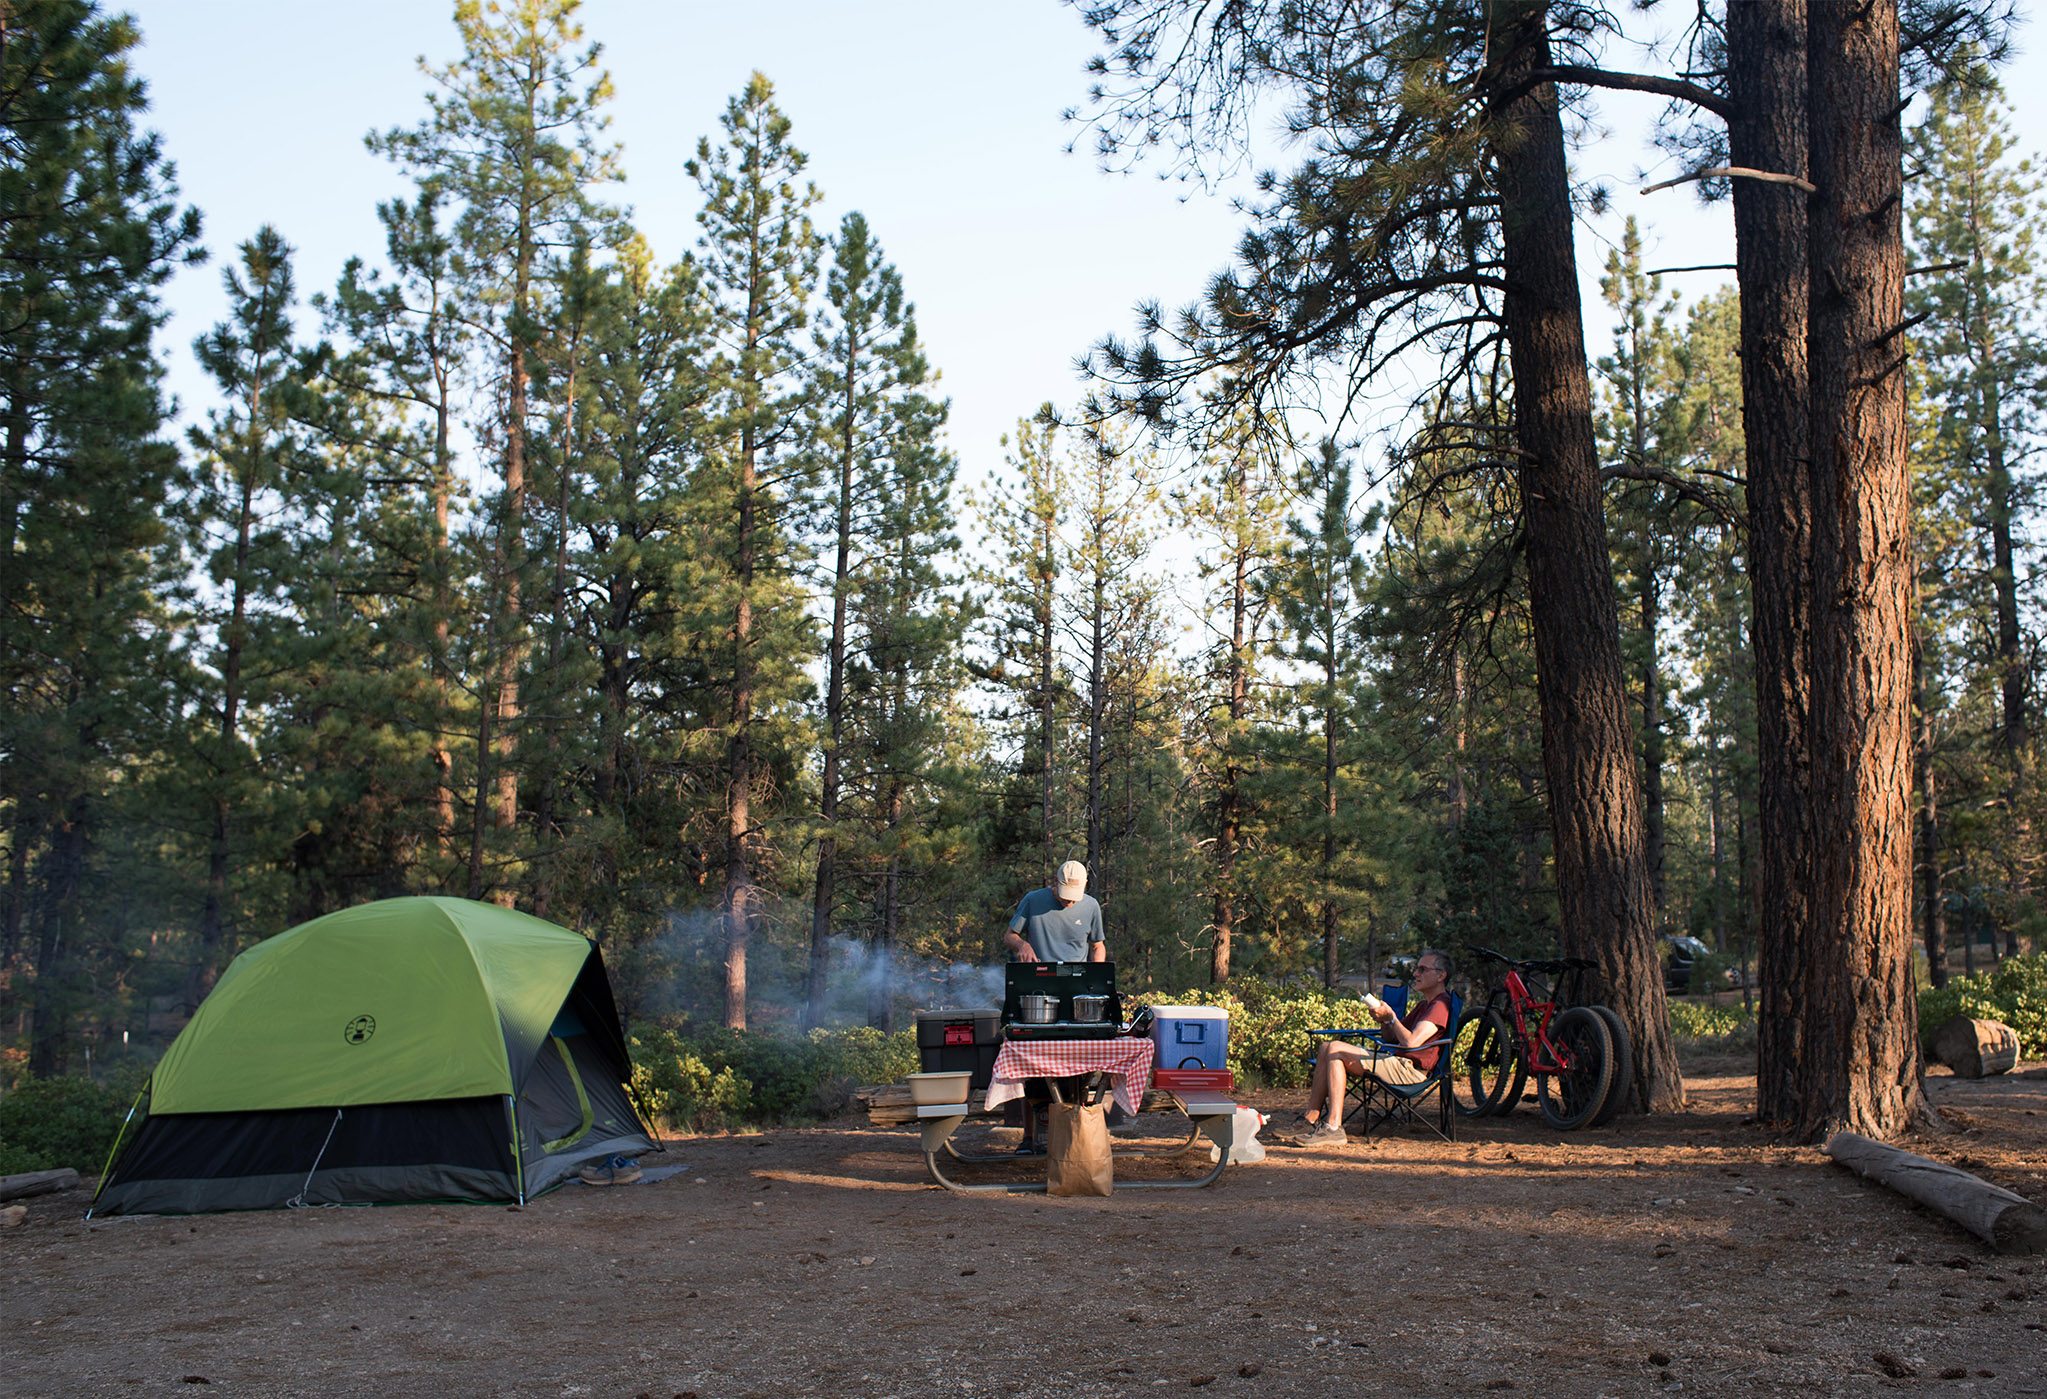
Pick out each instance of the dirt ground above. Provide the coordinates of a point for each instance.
(1657, 1255)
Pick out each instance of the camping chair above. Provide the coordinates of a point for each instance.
(1376, 1103)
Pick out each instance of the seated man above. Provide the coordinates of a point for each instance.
(1428, 1018)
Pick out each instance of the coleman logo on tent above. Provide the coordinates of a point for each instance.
(359, 1029)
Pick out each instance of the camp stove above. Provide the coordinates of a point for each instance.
(1067, 987)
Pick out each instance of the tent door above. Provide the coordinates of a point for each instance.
(583, 1112)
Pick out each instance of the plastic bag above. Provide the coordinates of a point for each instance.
(1244, 1143)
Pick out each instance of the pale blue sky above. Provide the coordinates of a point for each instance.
(939, 119)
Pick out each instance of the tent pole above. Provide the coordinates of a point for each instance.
(518, 1156)
(108, 1168)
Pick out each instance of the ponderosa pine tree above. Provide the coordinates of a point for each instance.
(512, 142)
(253, 464)
(92, 230)
(1860, 1068)
(641, 618)
(1024, 517)
(1345, 267)
(1974, 217)
(408, 335)
(1115, 492)
(1234, 510)
(758, 257)
(868, 366)
(1319, 590)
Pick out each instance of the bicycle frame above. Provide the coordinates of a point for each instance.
(1533, 1046)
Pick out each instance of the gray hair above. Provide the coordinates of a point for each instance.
(1443, 960)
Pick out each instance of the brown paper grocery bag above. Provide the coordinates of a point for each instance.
(1077, 1140)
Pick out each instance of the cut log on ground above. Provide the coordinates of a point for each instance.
(1976, 1048)
(36, 1183)
(2008, 1223)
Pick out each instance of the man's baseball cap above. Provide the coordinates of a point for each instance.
(1072, 881)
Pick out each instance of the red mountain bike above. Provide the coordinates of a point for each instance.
(1577, 1052)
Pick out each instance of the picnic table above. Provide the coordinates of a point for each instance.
(1126, 1063)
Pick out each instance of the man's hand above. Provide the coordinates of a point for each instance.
(1019, 947)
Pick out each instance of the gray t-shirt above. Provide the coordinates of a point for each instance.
(1057, 934)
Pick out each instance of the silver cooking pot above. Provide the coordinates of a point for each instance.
(1038, 1010)
(1090, 1010)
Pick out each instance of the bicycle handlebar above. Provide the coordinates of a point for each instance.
(1554, 966)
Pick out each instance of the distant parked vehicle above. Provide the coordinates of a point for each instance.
(1685, 952)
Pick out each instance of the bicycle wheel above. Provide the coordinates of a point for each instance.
(1493, 1071)
(1623, 1066)
(1584, 1049)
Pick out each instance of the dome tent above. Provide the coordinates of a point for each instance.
(410, 1049)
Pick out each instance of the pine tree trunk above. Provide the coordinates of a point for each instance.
(1767, 83)
(511, 541)
(1861, 1069)
(1587, 740)
(1330, 956)
(1045, 710)
(58, 919)
(1653, 744)
(1095, 697)
(823, 894)
(1223, 912)
(739, 889)
(443, 604)
(1933, 911)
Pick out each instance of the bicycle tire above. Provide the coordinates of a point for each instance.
(1572, 1098)
(1494, 1073)
(1623, 1067)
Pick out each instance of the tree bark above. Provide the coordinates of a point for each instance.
(823, 893)
(1588, 741)
(1933, 909)
(1223, 909)
(1767, 82)
(1861, 1070)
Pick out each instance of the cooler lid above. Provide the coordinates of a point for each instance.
(1191, 1012)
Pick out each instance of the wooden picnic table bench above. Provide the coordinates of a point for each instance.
(1208, 1114)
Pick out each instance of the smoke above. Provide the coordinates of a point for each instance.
(680, 974)
(925, 983)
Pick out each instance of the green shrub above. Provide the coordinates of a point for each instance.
(1269, 1024)
(47, 1124)
(2014, 992)
(723, 1078)
(1706, 1027)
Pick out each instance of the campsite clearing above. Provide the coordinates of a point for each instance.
(1658, 1255)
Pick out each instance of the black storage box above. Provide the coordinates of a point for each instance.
(951, 1041)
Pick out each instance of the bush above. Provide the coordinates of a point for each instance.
(1707, 1027)
(721, 1078)
(2014, 992)
(1269, 1024)
(48, 1124)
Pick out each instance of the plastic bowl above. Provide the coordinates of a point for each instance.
(936, 1090)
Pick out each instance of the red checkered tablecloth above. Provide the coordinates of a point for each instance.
(1127, 1061)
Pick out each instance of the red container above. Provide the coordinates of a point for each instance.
(1194, 1080)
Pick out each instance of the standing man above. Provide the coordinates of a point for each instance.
(1059, 924)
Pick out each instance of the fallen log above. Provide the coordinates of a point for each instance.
(2008, 1223)
(1976, 1048)
(36, 1183)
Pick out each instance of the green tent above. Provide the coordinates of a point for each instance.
(411, 1049)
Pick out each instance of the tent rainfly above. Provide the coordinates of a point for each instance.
(411, 1049)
